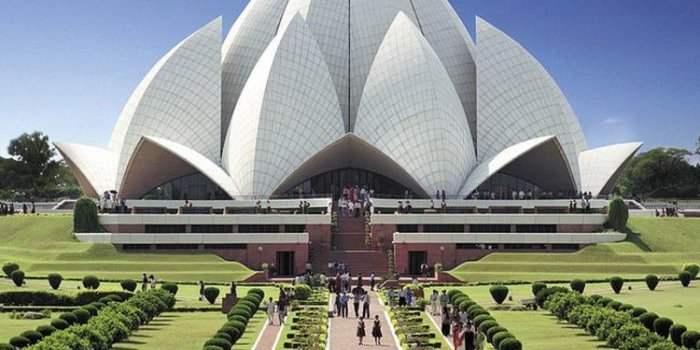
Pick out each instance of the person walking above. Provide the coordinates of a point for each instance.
(371, 281)
(356, 296)
(144, 282)
(446, 322)
(434, 301)
(282, 307)
(468, 337)
(270, 311)
(360, 330)
(338, 304)
(201, 289)
(365, 305)
(377, 331)
(344, 305)
(457, 335)
(444, 300)
(153, 280)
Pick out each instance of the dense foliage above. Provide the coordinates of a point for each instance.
(33, 173)
(661, 173)
(618, 213)
(44, 298)
(237, 320)
(85, 216)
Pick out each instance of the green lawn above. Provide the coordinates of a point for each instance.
(252, 330)
(10, 328)
(656, 245)
(45, 244)
(172, 330)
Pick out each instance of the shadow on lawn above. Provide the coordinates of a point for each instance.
(636, 239)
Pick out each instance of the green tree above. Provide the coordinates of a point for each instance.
(661, 172)
(35, 167)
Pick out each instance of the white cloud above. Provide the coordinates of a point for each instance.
(611, 121)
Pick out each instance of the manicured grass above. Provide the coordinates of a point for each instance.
(656, 245)
(252, 330)
(45, 244)
(172, 330)
(669, 299)
(10, 328)
(434, 329)
(542, 331)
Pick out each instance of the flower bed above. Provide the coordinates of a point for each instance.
(307, 323)
(238, 319)
(411, 327)
(98, 325)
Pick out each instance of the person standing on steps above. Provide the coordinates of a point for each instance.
(360, 330)
(377, 331)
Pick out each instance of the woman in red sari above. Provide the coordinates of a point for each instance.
(457, 335)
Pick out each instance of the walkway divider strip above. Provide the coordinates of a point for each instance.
(437, 326)
(388, 320)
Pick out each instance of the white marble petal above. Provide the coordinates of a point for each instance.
(601, 167)
(95, 168)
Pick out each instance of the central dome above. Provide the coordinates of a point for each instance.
(302, 88)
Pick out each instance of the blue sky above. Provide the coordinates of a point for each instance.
(630, 68)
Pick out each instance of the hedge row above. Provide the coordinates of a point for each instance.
(43, 298)
(113, 323)
(622, 326)
(238, 319)
(486, 325)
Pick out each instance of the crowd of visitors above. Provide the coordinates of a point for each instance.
(355, 201)
(670, 210)
(453, 321)
(523, 194)
(280, 307)
(361, 301)
(110, 202)
(9, 209)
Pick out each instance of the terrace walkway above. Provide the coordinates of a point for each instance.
(269, 336)
(343, 330)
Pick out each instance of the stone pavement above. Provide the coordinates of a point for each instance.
(269, 335)
(344, 330)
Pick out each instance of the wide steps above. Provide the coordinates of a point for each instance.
(349, 241)
(362, 261)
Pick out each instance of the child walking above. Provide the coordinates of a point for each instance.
(377, 331)
(360, 330)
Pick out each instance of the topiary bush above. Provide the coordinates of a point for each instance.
(577, 285)
(59, 324)
(464, 305)
(85, 216)
(544, 294)
(9, 268)
(510, 344)
(91, 282)
(499, 293)
(617, 214)
(492, 331)
(212, 347)
(500, 337)
(82, 315)
(17, 277)
(128, 285)
(302, 292)
(486, 325)
(662, 326)
(647, 320)
(55, 280)
(68, 317)
(19, 342)
(222, 343)
(478, 320)
(689, 339)
(652, 281)
(616, 284)
(637, 311)
(257, 291)
(211, 293)
(170, 287)
(676, 332)
(33, 336)
(684, 277)
(537, 287)
(46, 330)
(693, 269)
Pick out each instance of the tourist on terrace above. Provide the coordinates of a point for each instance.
(371, 281)
(377, 331)
(443, 196)
(402, 297)
(360, 330)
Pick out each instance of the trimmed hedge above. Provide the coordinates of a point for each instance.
(510, 344)
(85, 216)
(91, 282)
(44, 298)
(689, 339)
(170, 287)
(652, 281)
(46, 330)
(33, 336)
(499, 293)
(537, 287)
(55, 280)
(211, 293)
(693, 269)
(618, 213)
(685, 277)
(9, 268)
(676, 332)
(128, 285)
(647, 320)
(237, 318)
(302, 292)
(616, 284)
(17, 277)
(19, 341)
(578, 285)
(662, 326)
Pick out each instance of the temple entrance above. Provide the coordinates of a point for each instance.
(285, 263)
(416, 259)
(331, 184)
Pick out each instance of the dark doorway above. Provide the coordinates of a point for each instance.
(285, 263)
(415, 260)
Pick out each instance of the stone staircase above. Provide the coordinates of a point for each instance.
(352, 247)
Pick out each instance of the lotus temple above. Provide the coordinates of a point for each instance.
(260, 146)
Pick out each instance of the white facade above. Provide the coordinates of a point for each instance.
(302, 87)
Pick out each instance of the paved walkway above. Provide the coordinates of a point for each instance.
(437, 321)
(343, 330)
(269, 335)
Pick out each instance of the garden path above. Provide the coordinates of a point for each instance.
(344, 330)
(268, 338)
